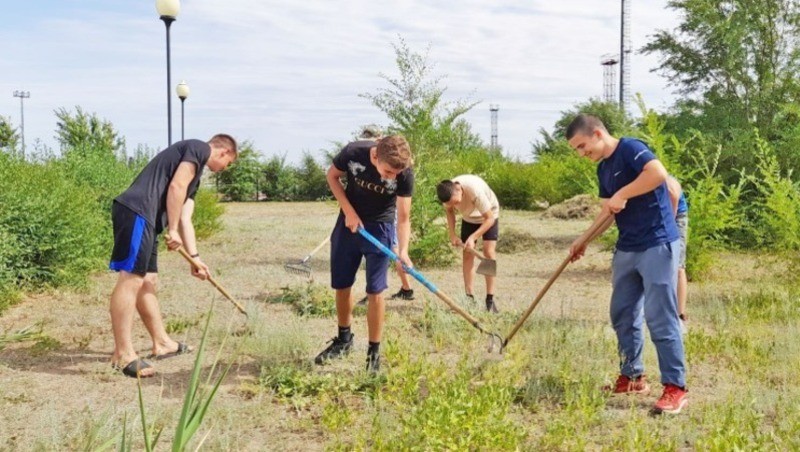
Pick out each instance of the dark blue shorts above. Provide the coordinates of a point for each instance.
(135, 246)
(347, 249)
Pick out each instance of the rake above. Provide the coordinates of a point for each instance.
(300, 267)
(591, 234)
(494, 338)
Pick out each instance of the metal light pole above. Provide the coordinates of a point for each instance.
(22, 96)
(183, 93)
(168, 10)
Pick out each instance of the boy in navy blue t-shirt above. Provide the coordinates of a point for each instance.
(380, 183)
(634, 192)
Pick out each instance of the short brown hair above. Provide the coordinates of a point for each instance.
(224, 140)
(585, 125)
(395, 152)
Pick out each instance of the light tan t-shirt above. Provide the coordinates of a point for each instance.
(477, 198)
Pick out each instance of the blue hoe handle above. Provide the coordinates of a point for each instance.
(410, 270)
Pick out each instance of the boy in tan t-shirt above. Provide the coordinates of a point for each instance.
(480, 210)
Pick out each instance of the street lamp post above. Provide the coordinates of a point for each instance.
(22, 96)
(168, 10)
(183, 93)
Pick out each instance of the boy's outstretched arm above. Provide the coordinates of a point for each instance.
(403, 205)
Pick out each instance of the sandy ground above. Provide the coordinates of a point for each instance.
(48, 395)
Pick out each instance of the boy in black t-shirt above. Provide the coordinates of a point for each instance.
(161, 196)
(380, 183)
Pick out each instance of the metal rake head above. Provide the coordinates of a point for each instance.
(299, 268)
(495, 343)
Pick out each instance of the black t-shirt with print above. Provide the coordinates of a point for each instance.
(373, 198)
(147, 195)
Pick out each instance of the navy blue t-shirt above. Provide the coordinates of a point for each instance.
(646, 220)
(373, 198)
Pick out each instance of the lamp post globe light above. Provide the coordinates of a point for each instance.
(168, 10)
(183, 93)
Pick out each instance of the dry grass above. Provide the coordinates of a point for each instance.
(566, 348)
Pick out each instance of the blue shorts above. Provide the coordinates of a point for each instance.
(347, 249)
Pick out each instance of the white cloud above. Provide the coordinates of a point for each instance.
(287, 75)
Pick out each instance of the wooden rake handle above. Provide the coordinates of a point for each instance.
(211, 279)
(591, 234)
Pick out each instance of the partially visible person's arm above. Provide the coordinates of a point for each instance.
(674, 188)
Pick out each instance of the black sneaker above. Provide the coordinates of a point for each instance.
(491, 307)
(403, 294)
(337, 349)
(373, 364)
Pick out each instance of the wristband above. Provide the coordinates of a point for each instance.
(195, 256)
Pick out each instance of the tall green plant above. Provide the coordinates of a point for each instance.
(414, 103)
(777, 209)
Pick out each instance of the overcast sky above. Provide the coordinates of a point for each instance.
(287, 75)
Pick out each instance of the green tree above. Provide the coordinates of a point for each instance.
(312, 183)
(414, 103)
(614, 118)
(280, 179)
(735, 62)
(8, 135)
(240, 181)
(83, 131)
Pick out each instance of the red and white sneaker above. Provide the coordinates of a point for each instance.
(672, 400)
(628, 385)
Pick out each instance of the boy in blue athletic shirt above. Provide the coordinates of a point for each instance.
(645, 264)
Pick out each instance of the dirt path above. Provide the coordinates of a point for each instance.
(52, 392)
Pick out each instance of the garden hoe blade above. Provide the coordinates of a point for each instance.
(300, 267)
(487, 266)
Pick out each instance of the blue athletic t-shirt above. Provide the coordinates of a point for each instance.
(646, 220)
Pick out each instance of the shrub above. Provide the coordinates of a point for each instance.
(207, 217)
(55, 233)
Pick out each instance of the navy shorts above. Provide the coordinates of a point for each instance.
(347, 249)
(135, 244)
(468, 228)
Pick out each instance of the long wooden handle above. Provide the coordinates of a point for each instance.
(477, 254)
(319, 247)
(211, 279)
(592, 234)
